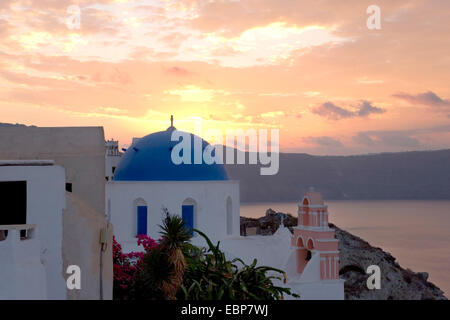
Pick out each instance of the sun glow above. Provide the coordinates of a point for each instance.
(192, 93)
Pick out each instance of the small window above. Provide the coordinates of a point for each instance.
(189, 214)
(141, 217)
(229, 209)
(68, 187)
(13, 195)
(142, 220)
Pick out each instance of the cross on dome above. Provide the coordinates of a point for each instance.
(171, 128)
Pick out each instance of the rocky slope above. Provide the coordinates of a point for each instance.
(356, 255)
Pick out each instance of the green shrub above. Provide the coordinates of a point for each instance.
(210, 276)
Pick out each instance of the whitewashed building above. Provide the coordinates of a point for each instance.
(31, 230)
(53, 213)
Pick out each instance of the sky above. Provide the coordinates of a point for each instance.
(311, 69)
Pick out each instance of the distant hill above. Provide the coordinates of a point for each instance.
(403, 175)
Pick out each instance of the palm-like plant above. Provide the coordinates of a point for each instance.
(174, 238)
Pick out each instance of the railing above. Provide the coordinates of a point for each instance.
(18, 231)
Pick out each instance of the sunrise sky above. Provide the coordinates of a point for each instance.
(312, 69)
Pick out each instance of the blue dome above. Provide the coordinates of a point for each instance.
(150, 160)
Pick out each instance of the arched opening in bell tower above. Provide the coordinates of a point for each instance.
(302, 253)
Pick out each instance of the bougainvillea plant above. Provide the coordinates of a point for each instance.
(127, 267)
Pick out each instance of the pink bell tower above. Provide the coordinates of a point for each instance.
(313, 237)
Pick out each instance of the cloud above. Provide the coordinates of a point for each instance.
(52, 18)
(142, 53)
(177, 71)
(387, 138)
(172, 40)
(269, 44)
(109, 110)
(428, 98)
(366, 80)
(366, 108)
(364, 138)
(273, 114)
(5, 28)
(323, 141)
(331, 111)
(215, 15)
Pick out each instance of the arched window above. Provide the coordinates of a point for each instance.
(300, 242)
(189, 214)
(229, 216)
(310, 244)
(141, 211)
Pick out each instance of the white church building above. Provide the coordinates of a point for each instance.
(146, 181)
(309, 255)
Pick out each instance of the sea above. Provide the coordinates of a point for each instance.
(415, 232)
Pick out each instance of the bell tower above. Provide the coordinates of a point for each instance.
(313, 239)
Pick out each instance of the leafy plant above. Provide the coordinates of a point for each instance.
(210, 276)
(174, 268)
(166, 265)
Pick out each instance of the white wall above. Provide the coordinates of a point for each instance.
(22, 275)
(210, 197)
(311, 272)
(45, 202)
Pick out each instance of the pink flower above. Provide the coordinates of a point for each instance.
(126, 266)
